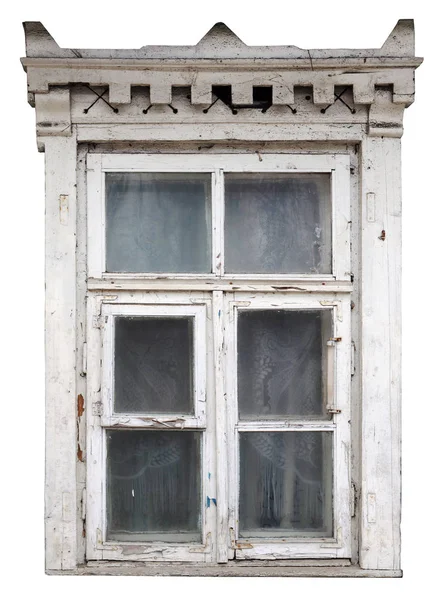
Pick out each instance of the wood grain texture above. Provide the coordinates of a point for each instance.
(60, 343)
(381, 356)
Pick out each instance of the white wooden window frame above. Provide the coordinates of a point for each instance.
(101, 314)
(220, 541)
(338, 546)
(112, 419)
(217, 164)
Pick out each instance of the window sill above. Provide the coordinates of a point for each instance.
(233, 569)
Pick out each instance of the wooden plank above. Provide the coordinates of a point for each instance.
(341, 217)
(272, 550)
(95, 447)
(155, 552)
(217, 222)
(243, 132)
(162, 422)
(241, 569)
(227, 284)
(230, 368)
(380, 356)
(96, 216)
(60, 344)
(355, 336)
(294, 163)
(222, 529)
(285, 425)
(81, 351)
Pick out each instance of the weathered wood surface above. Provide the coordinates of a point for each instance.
(380, 354)
(60, 343)
(222, 513)
(238, 65)
(306, 118)
(222, 42)
(270, 569)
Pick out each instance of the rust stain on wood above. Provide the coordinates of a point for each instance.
(80, 405)
(382, 236)
(79, 453)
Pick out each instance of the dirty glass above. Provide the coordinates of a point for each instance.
(153, 367)
(281, 368)
(285, 484)
(278, 223)
(153, 485)
(158, 222)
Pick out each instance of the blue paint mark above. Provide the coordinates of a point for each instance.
(209, 476)
(214, 501)
(219, 313)
(208, 502)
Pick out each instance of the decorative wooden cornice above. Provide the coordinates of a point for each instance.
(222, 73)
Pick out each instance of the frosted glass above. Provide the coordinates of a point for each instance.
(158, 222)
(153, 367)
(280, 363)
(278, 223)
(286, 484)
(153, 485)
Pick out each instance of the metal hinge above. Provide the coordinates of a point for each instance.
(332, 410)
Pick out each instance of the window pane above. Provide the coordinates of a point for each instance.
(153, 485)
(286, 484)
(158, 222)
(278, 223)
(153, 368)
(281, 363)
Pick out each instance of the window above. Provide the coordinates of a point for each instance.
(219, 353)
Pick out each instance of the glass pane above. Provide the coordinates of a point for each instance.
(153, 485)
(278, 223)
(153, 368)
(281, 363)
(158, 222)
(286, 484)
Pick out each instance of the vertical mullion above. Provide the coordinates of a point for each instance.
(341, 220)
(232, 417)
(95, 484)
(95, 216)
(221, 430)
(107, 326)
(218, 222)
(342, 434)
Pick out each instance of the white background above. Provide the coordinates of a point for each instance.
(316, 24)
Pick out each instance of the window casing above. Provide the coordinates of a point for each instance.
(215, 363)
